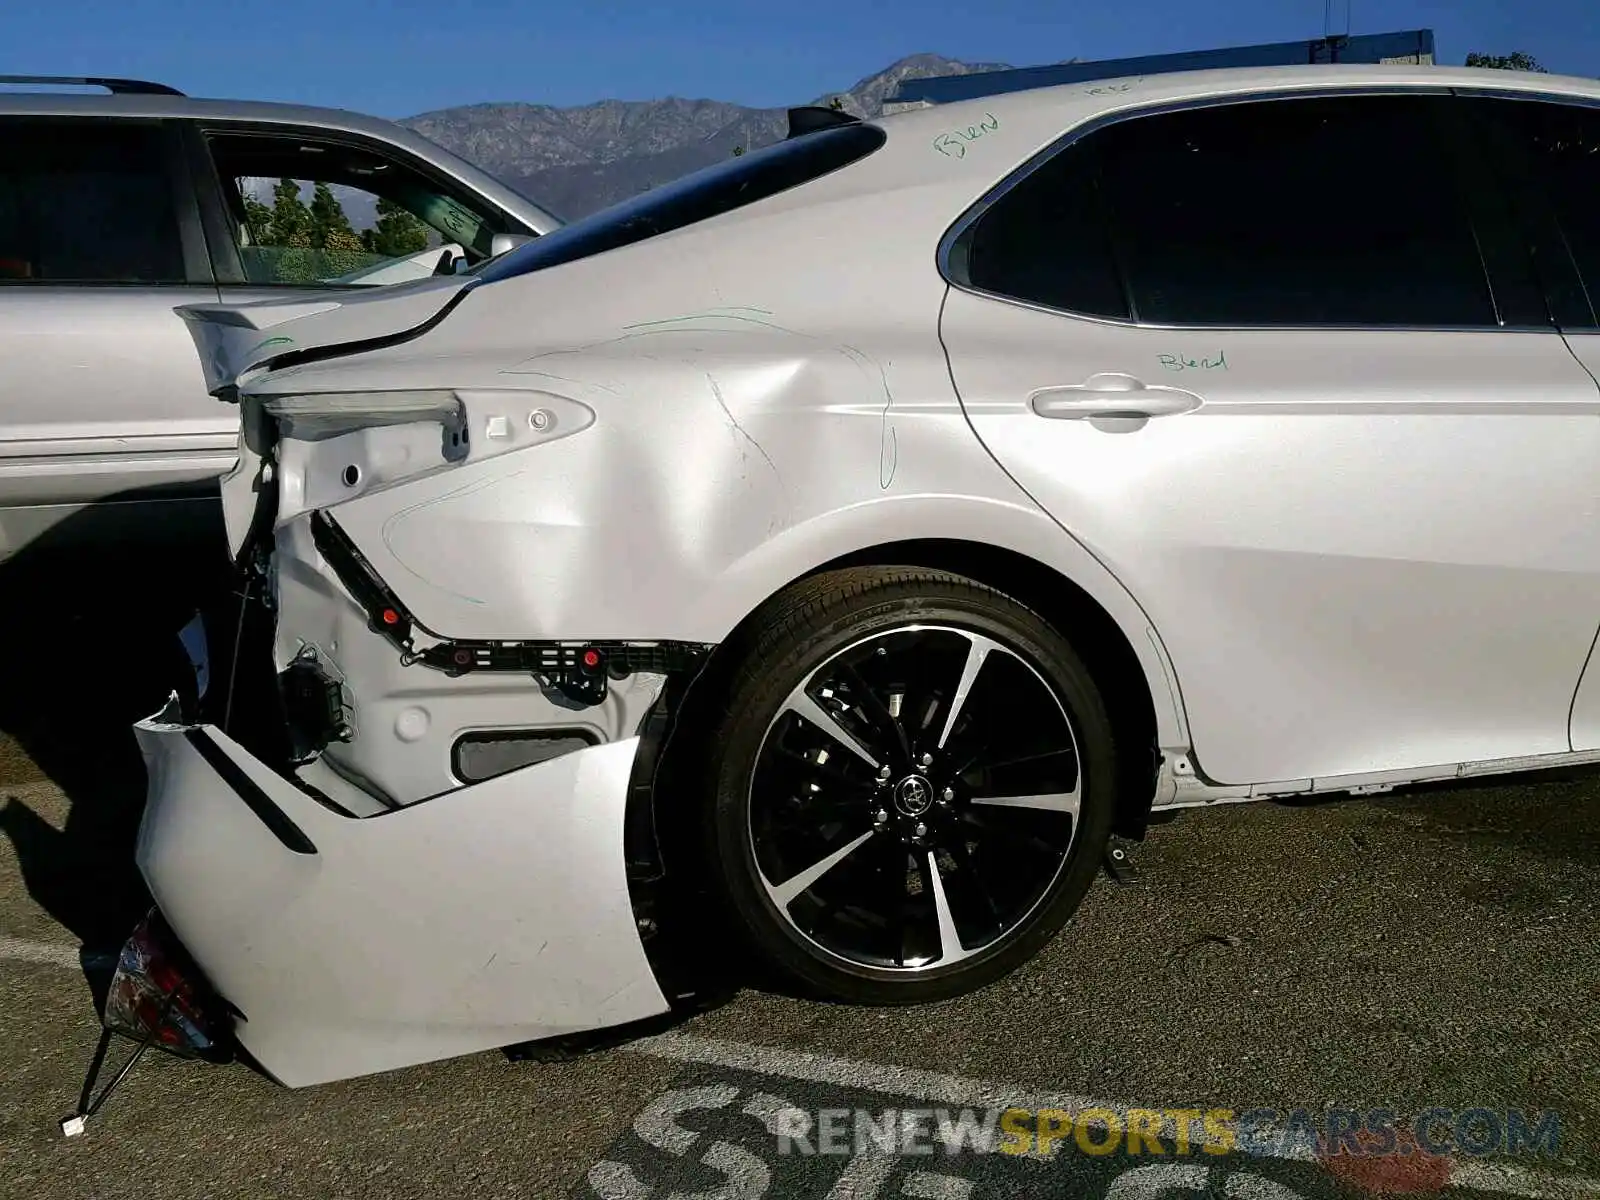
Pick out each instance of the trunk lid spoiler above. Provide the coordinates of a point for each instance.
(233, 339)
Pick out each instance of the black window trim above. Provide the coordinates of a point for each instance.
(226, 264)
(229, 267)
(197, 268)
(1508, 161)
(1105, 120)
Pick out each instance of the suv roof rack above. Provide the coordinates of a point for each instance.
(117, 87)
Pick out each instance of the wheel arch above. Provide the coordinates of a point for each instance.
(1133, 675)
(1096, 636)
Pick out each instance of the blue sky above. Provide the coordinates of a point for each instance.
(401, 57)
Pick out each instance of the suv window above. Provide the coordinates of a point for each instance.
(706, 193)
(1561, 143)
(307, 212)
(87, 203)
(1317, 211)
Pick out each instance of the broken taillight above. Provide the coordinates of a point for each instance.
(158, 996)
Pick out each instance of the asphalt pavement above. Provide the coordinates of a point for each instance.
(1436, 950)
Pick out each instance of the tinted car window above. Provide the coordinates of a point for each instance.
(698, 197)
(83, 203)
(1316, 211)
(1046, 241)
(1561, 144)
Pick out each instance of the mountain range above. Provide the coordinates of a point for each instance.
(574, 161)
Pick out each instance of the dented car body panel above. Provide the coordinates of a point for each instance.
(740, 428)
(232, 338)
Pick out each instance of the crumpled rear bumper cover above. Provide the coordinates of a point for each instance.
(495, 914)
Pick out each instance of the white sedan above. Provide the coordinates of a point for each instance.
(815, 561)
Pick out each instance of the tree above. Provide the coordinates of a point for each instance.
(1515, 61)
(343, 252)
(327, 216)
(397, 232)
(291, 219)
(331, 233)
(259, 219)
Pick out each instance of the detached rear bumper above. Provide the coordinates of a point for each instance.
(490, 915)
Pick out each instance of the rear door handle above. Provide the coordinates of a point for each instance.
(1112, 396)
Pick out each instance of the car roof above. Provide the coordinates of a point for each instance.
(1025, 115)
(937, 162)
(963, 148)
(135, 104)
(1107, 93)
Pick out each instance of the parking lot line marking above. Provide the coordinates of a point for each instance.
(52, 954)
(910, 1082)
(963, 1091)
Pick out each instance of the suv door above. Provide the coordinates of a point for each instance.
(1296, 386)
(99, 395)
(293, 210)
(1549, 153)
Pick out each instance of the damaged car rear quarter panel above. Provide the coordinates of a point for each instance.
(734, 448)
(717, 438)
(748, 430)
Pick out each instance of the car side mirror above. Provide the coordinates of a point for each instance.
(502, 242)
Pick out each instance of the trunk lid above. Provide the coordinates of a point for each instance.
(233, 340)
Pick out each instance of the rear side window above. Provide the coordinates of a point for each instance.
(87, 203)
(698, 197)
(1047, 241)
(1286, 212)
(1560, 145)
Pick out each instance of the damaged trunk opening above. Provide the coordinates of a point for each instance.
(386, 847)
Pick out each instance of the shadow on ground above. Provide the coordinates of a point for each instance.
(91, 616)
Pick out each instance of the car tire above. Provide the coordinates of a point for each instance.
(931, 892)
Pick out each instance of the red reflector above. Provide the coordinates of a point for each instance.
(390, 617)
(591, 658)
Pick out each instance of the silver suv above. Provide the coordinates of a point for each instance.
(115, 209)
